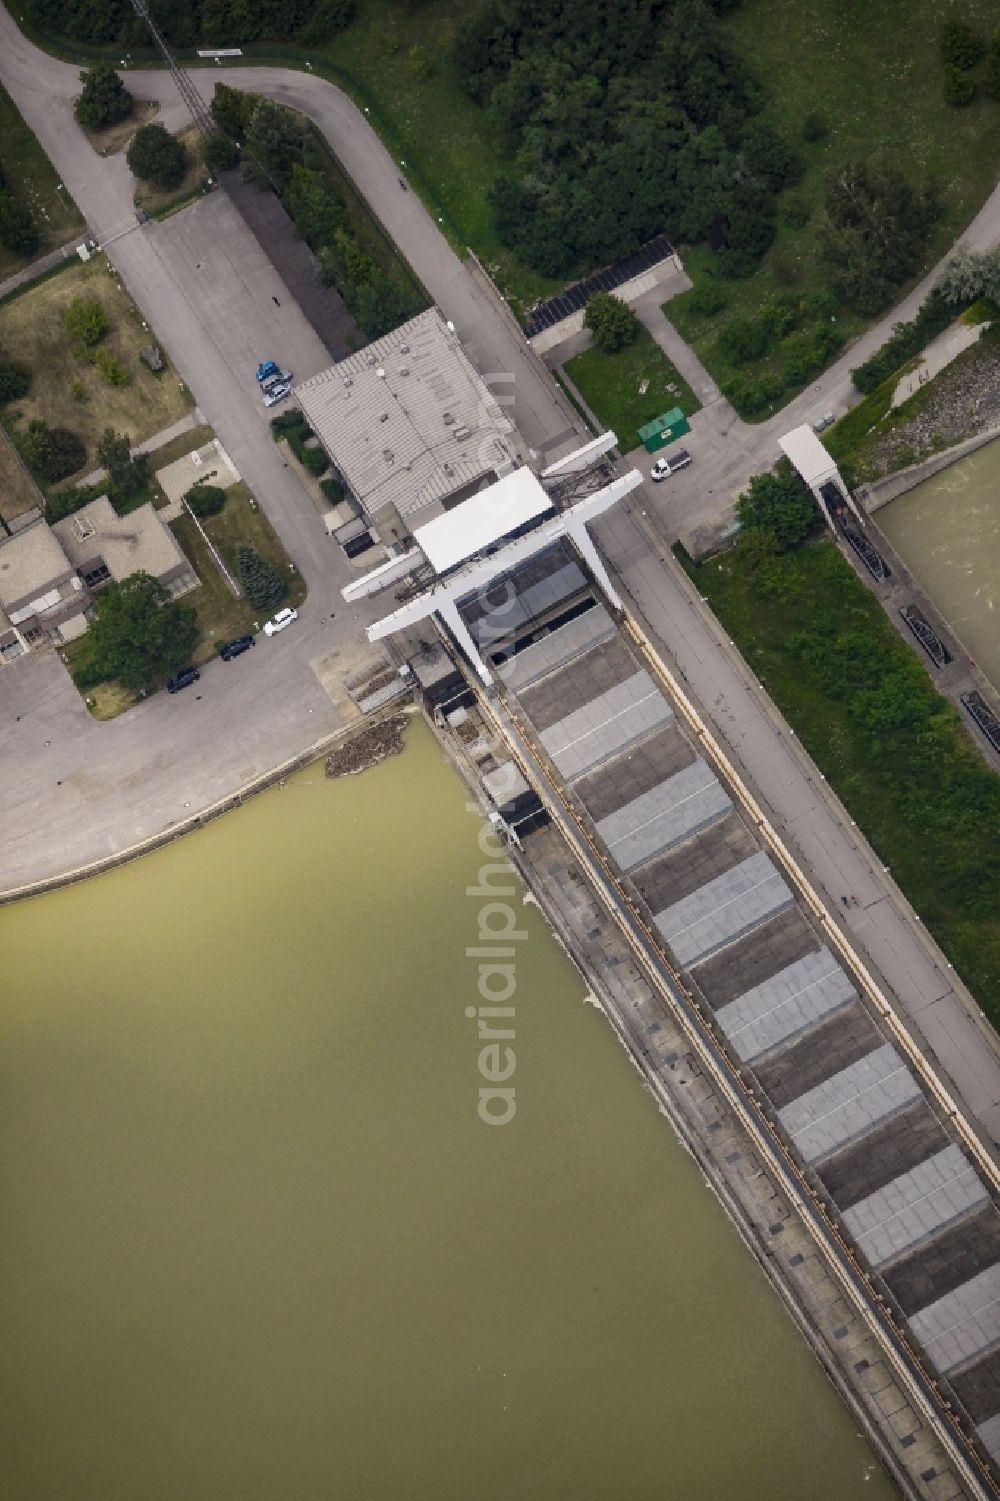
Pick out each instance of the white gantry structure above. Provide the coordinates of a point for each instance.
(819, 470)
(459, 554)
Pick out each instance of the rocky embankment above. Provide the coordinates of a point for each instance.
(962, 401)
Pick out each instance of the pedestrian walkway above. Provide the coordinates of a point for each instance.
(176, 429)
(38, 268)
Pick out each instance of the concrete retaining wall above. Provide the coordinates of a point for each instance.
(883, 490)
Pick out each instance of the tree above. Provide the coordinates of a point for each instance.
(105, 99)
(15, 380)
(779, 506)
(991, 74)
(814, 127)
(970, 274)
(220, 153)
(127, 476)
(611, 321)
(959, 90)
(231, 110)
(274, 139)
(86, 322)
(262, 584)
(206, 500)
(961, 47)
(52, 452)
(875, 229)
(139, 633)
(18, 231)
(157, 157)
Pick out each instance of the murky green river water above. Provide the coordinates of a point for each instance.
(256, 1243)
(947, 531)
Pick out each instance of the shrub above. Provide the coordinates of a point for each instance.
(743, 340)
(109, 369)
(958, 88)
(611, 321)
(206, 500)
(86, 322)
(52, 452)
(262, 584)
(751, 397)
(961, 47)
(814, 127)
(779, 315)
(78, 390)
(905, 341)
(15, 381)
(287, 422)
(795, 211)
(333, 489)
(220, 152)
(707, 299)
(105, 99)
(315, 460)
(807, 352)
(991, 75)
(18, 232)
(157, 157)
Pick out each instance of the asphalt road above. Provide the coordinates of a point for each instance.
(75, 790)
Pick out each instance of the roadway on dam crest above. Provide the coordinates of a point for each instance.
(76, 790)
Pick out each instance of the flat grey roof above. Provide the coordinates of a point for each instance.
(915, 1206)
(556, 648)
(127, 544)
(408, 420)
(963, 1323)
(728, 906)
(785, 1004)
(664, 816)
(30, 562)
(606, 725)
(848, 1105)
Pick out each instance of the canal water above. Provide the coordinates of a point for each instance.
(947, 531)
(257, 1243)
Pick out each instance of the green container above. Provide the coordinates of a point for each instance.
(663, 430)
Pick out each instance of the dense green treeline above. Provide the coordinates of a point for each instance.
(620, 120)
(191, 23)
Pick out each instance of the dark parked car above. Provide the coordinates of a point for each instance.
(237, 648)
(184, 679)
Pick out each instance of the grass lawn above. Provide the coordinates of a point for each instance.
(939, 859)
(814, 56)
(32, 325)
(17, 493)
(220, 616)
(611, 385)
(31, 178)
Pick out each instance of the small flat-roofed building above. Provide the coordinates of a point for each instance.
(39, 588)
(102, 545)
(410, 424)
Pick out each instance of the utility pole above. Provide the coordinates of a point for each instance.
(185, 86)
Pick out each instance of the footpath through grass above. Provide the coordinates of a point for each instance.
(892, 748)
(612, 386)
(32, 179)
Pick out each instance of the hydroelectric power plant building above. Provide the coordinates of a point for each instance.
(886, 1172)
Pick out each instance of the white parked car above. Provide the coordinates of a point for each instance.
(281, 620)
(679, 460)
(276, 393)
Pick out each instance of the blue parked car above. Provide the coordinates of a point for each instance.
(270, 369)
